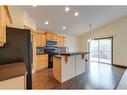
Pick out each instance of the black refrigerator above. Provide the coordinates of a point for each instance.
(18, 46)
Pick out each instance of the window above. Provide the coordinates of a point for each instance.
(101, 50)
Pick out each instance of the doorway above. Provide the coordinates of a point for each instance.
(101, 50)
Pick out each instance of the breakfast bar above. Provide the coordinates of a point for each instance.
(68, 65)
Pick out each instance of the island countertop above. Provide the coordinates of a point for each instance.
(73, 53)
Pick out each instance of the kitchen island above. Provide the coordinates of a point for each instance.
(68, 65)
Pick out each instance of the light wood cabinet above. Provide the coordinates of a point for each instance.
(40, 39)
(57, 68)
(60, 41)
(42, 61)
(43, 40)
(54, 36)
(7, 16)
(5, 19)
(49, 36)
(14, 83)
(2, 25)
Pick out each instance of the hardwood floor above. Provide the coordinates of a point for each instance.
(44, 80)
(97, 76)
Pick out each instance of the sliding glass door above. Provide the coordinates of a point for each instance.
(94, 50)
(101, 50)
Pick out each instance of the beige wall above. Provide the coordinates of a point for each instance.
(71, 42)
(118, 30)
(20, 17)
(17, 15)
(28, 21)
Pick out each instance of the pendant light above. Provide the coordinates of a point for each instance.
(90, 38)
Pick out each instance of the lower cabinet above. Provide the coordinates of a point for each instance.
(14, 83)
(57, 68)
(63, 71)
(42, 61)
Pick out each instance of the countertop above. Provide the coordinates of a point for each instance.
(8, 71)
(74, 53)
(70, 54)
(66, 53)
(41, 53)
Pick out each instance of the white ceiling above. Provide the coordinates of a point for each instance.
(96, 15)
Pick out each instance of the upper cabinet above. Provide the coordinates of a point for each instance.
(55, 36)
(40, 39)
(43, 40)
(49, 36)
(5, 19)
(60, 41)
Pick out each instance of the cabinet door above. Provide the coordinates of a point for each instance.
(38, 41)
(7, 16)
(42, 61)
(49, 36)
(58, 40)
(62, 41)
(57, 68)
(4, 20)
(54, 36)
(43, 40)
(2, 25)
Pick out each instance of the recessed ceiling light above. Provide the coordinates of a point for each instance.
(67, 9)
(64, 27)
(76, 14)
(46, 22)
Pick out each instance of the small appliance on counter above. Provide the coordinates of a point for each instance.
(40, 50)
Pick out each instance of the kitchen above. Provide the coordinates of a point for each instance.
(47, 59)
(45, 46)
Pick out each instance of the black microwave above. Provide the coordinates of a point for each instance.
(51, 43)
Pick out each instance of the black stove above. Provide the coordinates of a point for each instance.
(51, 49)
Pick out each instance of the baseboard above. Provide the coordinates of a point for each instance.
(122, 66)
